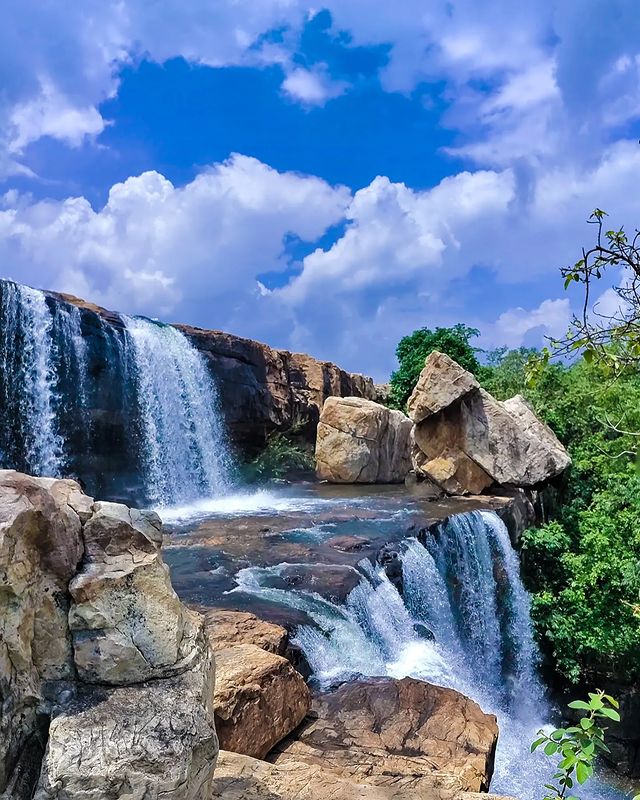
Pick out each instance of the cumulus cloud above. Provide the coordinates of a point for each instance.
(312, 87)
(550, 318)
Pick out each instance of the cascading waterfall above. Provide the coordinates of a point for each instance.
(28, 382)
(464, 588)
(185, 455)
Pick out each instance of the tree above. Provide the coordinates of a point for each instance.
(612, 336)
(413, 350)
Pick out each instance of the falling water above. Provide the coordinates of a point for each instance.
(184, 450)
(462, 622)
(29, 382)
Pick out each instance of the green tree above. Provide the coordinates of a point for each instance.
(413, 350)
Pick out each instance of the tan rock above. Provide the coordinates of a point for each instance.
(405, 733)
(359, 441)
(151, 740)
(259, 699)
(441, 383)
(239, 777)
(127, 622)
(474, 440)
(227, 628)
(40, 547)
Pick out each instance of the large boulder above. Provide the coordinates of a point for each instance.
(148, 740)
(99, 660)
(465, 440)
(359, 441)
(405, 733)
(226, 628)
(259, 699)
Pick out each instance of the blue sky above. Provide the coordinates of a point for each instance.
(322, 178)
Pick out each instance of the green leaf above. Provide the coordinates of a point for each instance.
(551, 748)
(611, 713)
(582, 772)
(580, 705)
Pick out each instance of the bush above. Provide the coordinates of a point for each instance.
(281, 455)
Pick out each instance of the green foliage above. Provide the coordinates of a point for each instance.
(281, 455)
(584, 567)
(578, 746)
(414, 349)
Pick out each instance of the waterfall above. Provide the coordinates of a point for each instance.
(30, 434)
(462, 622)
(184, 452)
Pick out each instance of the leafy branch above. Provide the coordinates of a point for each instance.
(578, 746)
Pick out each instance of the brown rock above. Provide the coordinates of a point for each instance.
(441, 383)
(405, 733)
(259, 699)
(359, 441)
(227, 628)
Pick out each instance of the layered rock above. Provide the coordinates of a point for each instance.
(227, 628)
(359, 441)
(402, 733)
(259, 699)
(94, 641)
(465, 440)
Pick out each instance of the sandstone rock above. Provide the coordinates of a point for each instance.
(405, 733)
(359, 441)
(468, 440)
(128, 624)
(259, 699)
(151, 740)
(239, 777)
(227, 628)
(40, 547)
(441, 383)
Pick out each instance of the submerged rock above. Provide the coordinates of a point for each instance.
(359, 441)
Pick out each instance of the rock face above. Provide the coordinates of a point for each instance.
(94, 640)
(465, 440)
(405, 733)
(359, 441)
(259, 699)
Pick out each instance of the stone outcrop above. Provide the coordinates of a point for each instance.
(96, 647)
(465, 440)
(259, 699)
(359, 441)
(405, 733)
(227, 628)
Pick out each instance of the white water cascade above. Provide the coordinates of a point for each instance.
(464, 588)
(29, 386)
(185, 455)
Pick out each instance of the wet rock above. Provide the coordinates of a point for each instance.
(423, 631)
(359, 441)
(389, 557)
(227, 628)
(333, 581)
(349, 544)
(405, 733)
(259, 699)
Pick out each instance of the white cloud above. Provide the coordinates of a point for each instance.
(551, 317)
(312, 87)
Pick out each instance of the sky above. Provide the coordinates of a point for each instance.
(325, 178)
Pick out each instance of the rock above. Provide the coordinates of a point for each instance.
(148, 740)
(239, 777)
(405, 733)
(259, 699)
(128, 624)
(359, 441)
(86, 601)
(227, 628)
(40, 547)
(465, 440)
(441, 383)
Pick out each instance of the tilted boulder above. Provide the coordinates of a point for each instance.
(85, 603)
(359, 441)
(469, 440)
(407, 733)
(259, 699)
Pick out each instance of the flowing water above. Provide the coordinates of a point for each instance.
(461, 621)
(184, 450)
